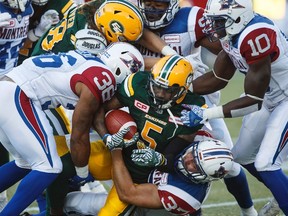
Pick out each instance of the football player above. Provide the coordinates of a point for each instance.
(40, 83)
(255, 46)
(117, 20)
(47, 13)
(14, 21)
(180, 192)
(182, 30)
(154, 101)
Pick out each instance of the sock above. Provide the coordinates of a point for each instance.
(12, 174)
(28, 190)
(238, 187)
(41, 201)
(277, 182)
(252, 170)
(43, 213)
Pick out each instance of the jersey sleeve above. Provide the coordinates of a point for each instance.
(99, 80)
(196, 24)
(128, 88)
(258, 43)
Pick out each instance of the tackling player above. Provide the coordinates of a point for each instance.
(33, 87)
(255, 46)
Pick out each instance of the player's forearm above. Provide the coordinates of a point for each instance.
(121, 177)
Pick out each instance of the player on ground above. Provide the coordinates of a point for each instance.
(182, 30)
(256, 47)
(195, 169)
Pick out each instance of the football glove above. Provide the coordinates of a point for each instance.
(148, 157)
(192, 115)
(116, 141)
(77, 181)
(49, 18)
(4, 19)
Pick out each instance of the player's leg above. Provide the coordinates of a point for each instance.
(31, 143)
(4, 158)
(84, 203)
(113, 205)
(236, 181)
(272, 153)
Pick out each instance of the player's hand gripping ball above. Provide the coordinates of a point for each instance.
(116, 120)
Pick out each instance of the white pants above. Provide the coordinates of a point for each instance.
(263, 138)
(25, 131)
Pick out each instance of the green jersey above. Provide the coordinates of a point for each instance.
(62, 7)
(157, 128)
(61, 38)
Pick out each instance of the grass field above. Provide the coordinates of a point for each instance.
(220, 202)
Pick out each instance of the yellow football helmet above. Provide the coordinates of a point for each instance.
(119, 20)
(173, 74)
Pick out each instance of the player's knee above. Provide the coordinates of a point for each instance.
(234, 171)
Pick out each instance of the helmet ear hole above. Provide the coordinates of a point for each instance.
(118, 71)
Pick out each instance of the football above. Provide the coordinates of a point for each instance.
(116, 120)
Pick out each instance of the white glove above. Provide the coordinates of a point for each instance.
(199, 67)
(49, 18)
(4, 19)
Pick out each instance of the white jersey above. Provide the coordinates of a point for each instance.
(261, 38)
(12, 37)
(183, 33)
(49, 80)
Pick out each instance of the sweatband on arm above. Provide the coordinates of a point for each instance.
(167, 50)
(82, 171)
(213, 113)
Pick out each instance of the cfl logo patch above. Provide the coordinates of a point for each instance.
(116, 27)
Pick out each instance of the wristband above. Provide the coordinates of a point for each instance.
(213, 112)
(167, 50)
(82, 171)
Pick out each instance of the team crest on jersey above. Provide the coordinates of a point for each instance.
(141, 106)
(226, 4)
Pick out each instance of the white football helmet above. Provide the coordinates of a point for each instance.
(213, 160)
(39, 2)
(16, 4)
(230, 16)
(123, 59)
(155, 18)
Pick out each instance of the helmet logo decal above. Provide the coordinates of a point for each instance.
(116, 27)
(225, 4)
(220, 173)
(134, 64)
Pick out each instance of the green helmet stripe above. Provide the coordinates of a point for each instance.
(168, 66)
